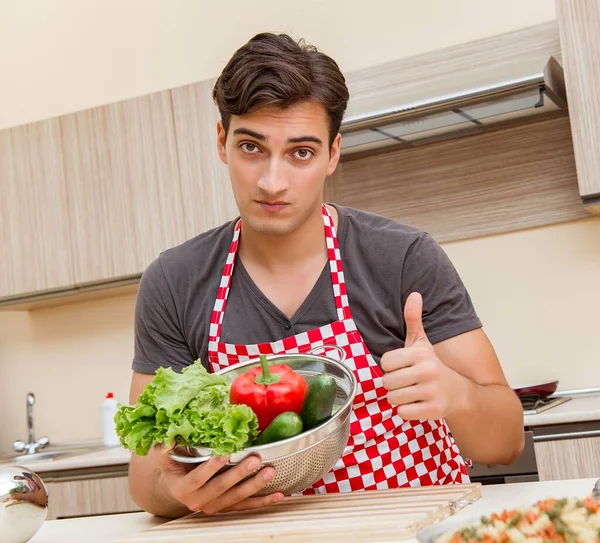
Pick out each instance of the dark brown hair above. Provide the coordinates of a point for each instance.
(275, 70)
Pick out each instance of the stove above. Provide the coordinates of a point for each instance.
(533, 405)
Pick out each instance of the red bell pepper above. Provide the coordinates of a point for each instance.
(269, 391)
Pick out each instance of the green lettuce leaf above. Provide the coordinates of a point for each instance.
(191, 407)
(173, 391)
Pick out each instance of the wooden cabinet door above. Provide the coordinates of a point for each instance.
(102, 496)
(207, 196)
(568, 458)
(125, 201)
(579, 28)
(35, 252)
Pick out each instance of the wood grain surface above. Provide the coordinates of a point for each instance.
(579, 25)
(421, 74)
(35, 248)
(125, 203)
(207, 196)
(359, 516)
(568, 458)
(520, 177)
(101, 496)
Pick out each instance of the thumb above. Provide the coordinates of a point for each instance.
(171, 469)
(413, 316)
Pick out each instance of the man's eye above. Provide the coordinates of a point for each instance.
(303, 154)
(249, 148)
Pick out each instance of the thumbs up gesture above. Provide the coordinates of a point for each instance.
(418, 382)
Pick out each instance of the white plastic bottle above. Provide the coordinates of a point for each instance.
(109, 410)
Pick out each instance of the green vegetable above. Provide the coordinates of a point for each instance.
(318, 404)
(192, 407)
(283, 426)
(515, 520)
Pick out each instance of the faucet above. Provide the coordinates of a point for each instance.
(32, 445)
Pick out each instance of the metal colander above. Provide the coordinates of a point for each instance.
(302, 460)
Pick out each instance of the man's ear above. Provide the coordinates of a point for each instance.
(334, 155)
(221, 141)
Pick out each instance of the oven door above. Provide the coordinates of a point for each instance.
(522, 470)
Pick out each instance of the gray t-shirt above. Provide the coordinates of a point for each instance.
(383, 263)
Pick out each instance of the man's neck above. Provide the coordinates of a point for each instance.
(281, 252)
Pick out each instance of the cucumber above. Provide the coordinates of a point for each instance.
(318, 403)
(288, 424)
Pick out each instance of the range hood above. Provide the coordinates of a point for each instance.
(456, 105)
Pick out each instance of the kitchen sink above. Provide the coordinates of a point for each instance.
(34, 457)
(53, 452)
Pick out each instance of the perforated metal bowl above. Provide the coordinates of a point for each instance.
(302, 460)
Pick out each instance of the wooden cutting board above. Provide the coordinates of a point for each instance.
(381, 515)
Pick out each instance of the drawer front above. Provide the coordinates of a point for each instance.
(88, 497)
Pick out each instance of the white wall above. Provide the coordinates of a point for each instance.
(539, 304)
(58, 56)
(69, 357)
(538, 294)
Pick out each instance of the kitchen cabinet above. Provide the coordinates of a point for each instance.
(414, 75)
(568, 451)
(207, 196)
(527, 180)
(94, 196)
(579, 30)
(86, 497)
(34, 230)
(122, 177)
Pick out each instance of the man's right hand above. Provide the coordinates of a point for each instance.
(202, 490)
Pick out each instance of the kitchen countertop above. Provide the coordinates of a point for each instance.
(578, 409)
(112, 456)
(108, 529)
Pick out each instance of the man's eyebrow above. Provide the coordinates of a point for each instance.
(262, 137)
(251, 133)
(302, 139)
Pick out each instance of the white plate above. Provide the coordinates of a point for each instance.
(430, 533)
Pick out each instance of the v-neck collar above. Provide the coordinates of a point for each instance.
(323, 281)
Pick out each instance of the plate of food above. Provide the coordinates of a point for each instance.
(566, 520)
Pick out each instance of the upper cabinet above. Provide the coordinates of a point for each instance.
(35, 253)
(122, 178)
(579, 28)
(89, 199)
(207, 196)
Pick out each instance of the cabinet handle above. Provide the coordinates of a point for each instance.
(567, 435)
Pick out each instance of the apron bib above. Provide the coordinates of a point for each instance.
(384, 450)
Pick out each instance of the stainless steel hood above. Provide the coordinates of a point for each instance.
(456, 105)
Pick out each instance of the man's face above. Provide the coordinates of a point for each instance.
(278, 160)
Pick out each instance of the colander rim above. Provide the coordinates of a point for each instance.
(271, 448)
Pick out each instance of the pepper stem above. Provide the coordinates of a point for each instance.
(266, 377)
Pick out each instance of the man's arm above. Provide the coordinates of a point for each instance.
(488, 423)
(146, 484)
(157, 483)
(460, 380)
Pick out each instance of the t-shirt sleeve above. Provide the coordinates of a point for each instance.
(447, 307)
(159, 341)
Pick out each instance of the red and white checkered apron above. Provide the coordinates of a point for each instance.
(384, 450)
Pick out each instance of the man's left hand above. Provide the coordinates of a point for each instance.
(418, 382)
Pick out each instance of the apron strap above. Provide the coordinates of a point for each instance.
(340, 294)
(335, 265)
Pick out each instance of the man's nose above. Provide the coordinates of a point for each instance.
(273, 179)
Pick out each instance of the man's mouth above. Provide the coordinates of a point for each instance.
(272, 205)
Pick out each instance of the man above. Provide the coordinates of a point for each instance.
(292, 268)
